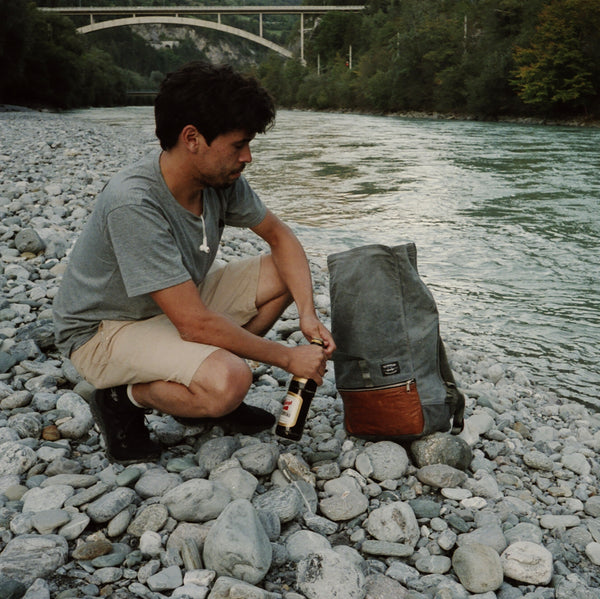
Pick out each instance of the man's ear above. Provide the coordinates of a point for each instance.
(192, 138)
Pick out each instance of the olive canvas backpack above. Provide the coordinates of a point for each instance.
(391, 368)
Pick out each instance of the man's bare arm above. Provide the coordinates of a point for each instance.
(291, 263)
(195, 322)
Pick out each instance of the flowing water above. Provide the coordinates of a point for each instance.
(505, 217)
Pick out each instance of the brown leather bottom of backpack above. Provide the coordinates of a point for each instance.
(383, 412)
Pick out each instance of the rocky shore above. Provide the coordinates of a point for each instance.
(508, 509)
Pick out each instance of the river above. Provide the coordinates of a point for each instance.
(505, 217)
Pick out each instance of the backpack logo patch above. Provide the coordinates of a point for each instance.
(390, 369)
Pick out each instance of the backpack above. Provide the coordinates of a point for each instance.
(390, 364)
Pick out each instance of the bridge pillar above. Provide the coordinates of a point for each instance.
(302, 37)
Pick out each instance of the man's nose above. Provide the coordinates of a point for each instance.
(246, 155)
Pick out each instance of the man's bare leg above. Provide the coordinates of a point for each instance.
(272, 298)
(217, 388)
(223, 379)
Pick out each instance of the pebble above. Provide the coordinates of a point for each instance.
(510, 508)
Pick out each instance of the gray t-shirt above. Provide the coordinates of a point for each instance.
(139, 239)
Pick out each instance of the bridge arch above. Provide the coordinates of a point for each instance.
(184, 21)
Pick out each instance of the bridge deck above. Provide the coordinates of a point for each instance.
(198, 10)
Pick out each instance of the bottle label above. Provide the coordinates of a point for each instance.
(290, 410)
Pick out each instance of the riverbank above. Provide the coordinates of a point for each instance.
(511, 511)
(415, 114)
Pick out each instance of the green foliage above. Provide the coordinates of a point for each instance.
(559, 70)
(16, 29)
(486, 58)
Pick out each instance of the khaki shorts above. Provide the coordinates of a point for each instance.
(128, 352)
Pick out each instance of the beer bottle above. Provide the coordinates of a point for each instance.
(296, 404)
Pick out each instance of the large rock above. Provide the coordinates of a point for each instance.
(382, 461)
(395, 522)
(196, 500)
(237, 544)
(327, 574)
(28, 557)
(442, 448)
(478, 567)
(527, 562)
(16, 458)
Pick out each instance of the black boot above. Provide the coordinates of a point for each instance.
(122, 426)
(244, 419)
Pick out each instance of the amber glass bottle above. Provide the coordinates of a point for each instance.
(295, 406)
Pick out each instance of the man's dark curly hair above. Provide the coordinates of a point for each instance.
(214, 99)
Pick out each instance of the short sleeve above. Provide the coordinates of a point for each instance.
(244, 207)
(145, 250)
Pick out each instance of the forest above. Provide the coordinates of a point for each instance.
(479, 58)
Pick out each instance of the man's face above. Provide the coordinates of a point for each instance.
(222, 162)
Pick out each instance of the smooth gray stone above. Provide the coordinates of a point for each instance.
(538, 461)
(77, 481)
(442, 448)
(215, 451)
(387, 548)
(239, 482)
(319, 524)
(286, 502)
(28, 557)
(237, 544)
(441, 476)
(151, 517)
(259, 459)
(433, 564)
(478, 567)
(40, 499)
(395, 522)
(47, 521)
(16, 458)
(344, 506)
(119, 523)
(491, 535)
(155, 482)
(86, 495)
(28, 240)
(379, 586)
(383, 460)
(166, 580)
(327, 574)
(196, 500)
(27, 425)
(302, 543)
(109, 505)
(7, 361)
(81, 417)
(185, 531)
(38, 590)
(76, 525)
(190, 554)
(528, 562)
(227, 587)
(524, 531)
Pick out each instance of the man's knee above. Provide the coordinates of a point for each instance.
(225, 380)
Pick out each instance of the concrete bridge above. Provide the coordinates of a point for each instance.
(120, 16)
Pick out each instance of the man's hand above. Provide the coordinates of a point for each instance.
(313, 328)
(308, 361)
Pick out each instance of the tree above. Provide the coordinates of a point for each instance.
(16, 30)
(559, 70)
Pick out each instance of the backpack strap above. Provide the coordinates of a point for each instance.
(454, 398)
